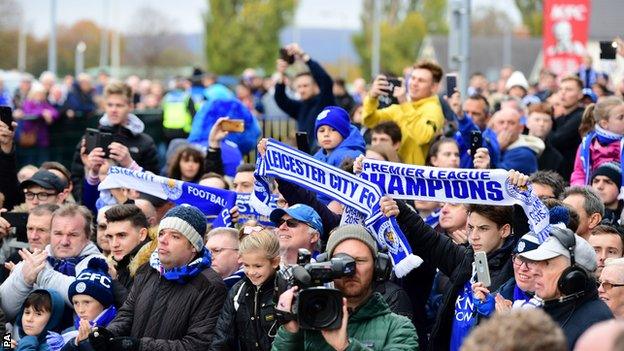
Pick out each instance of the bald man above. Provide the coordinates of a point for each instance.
(601, 336)
(518, 152)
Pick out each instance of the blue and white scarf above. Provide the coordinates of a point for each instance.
(183, 274)
(247, 212)
(66, 266)
(360, 197)
(56, 341)
(487, 187)
(604, 137)
(211, 201)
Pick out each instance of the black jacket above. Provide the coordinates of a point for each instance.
(565, 138)
(396, 298)
(142, 150)
(576, 315)
(123, 266)
(166, 315)
(550, 159)
(9, 186)
(305, 112)
(247, 321)
(453, 260)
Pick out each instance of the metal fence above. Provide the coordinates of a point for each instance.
(66, 133)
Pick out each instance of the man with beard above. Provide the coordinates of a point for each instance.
(367, 320)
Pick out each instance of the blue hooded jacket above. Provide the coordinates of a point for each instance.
(213, 110)
(351, 147)
(38, 342)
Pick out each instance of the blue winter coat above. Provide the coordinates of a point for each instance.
(462, 136)
(38, 342)
(522, 154)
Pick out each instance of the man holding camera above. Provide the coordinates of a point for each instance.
(420, 118)
(367, 322)
(315, 89)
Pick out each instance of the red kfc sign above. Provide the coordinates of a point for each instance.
(566, 26)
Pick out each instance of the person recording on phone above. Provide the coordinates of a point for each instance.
(473, 117)
(367, 322)
(131, 147)
(489, 231)
(315, 90)
(420, 118)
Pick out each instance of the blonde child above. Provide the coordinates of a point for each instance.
(248, 320)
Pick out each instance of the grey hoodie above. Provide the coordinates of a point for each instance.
(134, 123)
(14, 290)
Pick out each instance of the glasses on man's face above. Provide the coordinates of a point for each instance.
(290, 222)
(218, 250)
(42, 196)
(608, 285)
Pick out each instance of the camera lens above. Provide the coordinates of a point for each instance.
(319, 309)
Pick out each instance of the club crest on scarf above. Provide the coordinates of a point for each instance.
(386, 235)
(172, 189)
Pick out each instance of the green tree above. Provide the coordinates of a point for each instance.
(532, 15)
(244, 33)
(403, 27)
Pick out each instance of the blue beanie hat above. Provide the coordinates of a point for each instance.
(335, 117)
(189, 221)
(95, 282)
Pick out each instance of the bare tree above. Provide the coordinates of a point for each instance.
(152, 42)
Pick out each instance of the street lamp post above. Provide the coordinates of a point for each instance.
(80, 50)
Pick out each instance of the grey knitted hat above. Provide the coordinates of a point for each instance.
(351, 231)
(189, 221)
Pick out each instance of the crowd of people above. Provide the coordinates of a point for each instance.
(89, 266)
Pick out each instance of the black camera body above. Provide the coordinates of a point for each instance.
(316, 307)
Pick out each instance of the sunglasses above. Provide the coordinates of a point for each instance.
(290, 222)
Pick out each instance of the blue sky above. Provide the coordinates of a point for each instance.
(186, 14)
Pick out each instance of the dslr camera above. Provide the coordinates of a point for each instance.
(315, 307)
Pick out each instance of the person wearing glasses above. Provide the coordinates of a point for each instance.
(223, 246)
(611, 288)
(297, 227)
(44, 187)
(563, 267)
(517, 292)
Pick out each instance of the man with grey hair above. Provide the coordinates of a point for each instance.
(223, 245)
(58, 265)
(297, 227)
(611, 288)
(562, 267)
(588, 205)
(518, 151)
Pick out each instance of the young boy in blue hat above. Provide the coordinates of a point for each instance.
(337, 138)
(92, 297)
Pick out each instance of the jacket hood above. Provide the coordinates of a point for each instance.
(534, 143)
(374, 307)
(58, 307)
(134, 123)
(352, 146)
